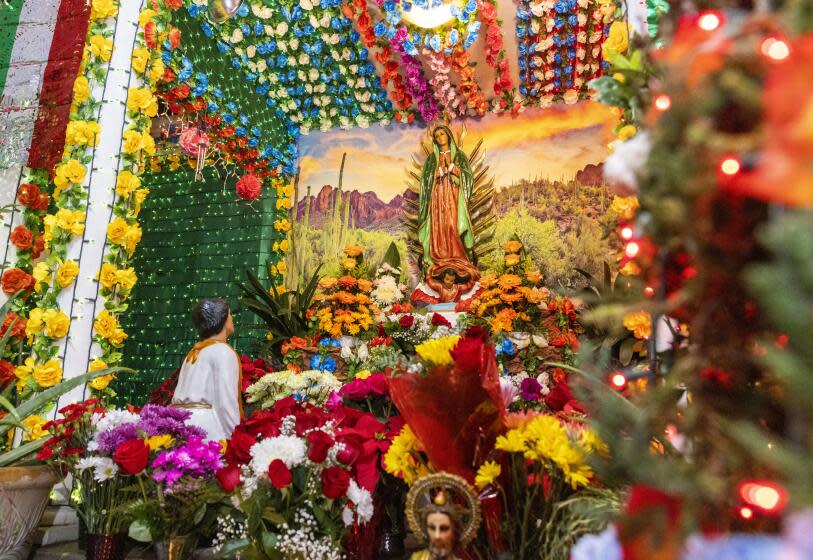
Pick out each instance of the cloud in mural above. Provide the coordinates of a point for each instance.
(554, 143)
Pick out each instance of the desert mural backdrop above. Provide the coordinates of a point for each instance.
(546, 166)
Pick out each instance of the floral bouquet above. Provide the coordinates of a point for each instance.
(539, 476)
(410, 329)
(313, 385)
(290, 469)
(166, 463)
(342, 307)
(99, 495)
(387, 288)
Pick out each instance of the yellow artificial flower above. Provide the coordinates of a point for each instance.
(126, 278)
(34, 324)
(56, 323)
(403, 459)
(640, 323)
(68, 270)
(33, 428)
(100, 47)
(437, 351)
(148, 143)
(107, 326)
(157, 70)
(283, 203)
(72, 170)
(284, 246)
(619, 77)
(108, 275)
(512, 442)
(101, 9)
(590, 441)
(70, 221)
(145, 17)
(42, 274)
(126, 183)
(117, 231)
(512, 246)
(353, 250)
(511, 259)
(282, 225)
(132, 238)
(348, 264)
(101, 383)
(363, 374)
(625, 207)
(282, 267)
(617, 40)
(141, 100)
(23, 372)
(140, 59)
(81, 89)
(626, 132)
(139, 198)
(487, 474)
(158, 442)
(133, 141)
(48, 374)
(82, 133)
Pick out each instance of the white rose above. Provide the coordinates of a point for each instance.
(282, 46)
(308, 88)
(282, 28)
(363, 352)
(291, 106)
(325, 21)
(269, 30)
(325, 125)
(317, 102)
(303, 60)
(313, 21)
(582, 19)
(273, 78)
(535, 26)
(262, 66)
(236, 36)
(294, 43)
(306, 5)
(251, 51)
(300, 74)
(313, 74)
(581, 53)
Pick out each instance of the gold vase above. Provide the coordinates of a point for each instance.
(180, 547)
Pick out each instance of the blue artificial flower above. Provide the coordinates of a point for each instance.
(228, 118)
(243, 10)
(194, 10)
(557, 57)
(390, 34)
(207, 29)
(240, 131)
(329, 342)
(393, 18)
(409, 48)
(558, 22)
(355, 111)
(235, 62)
(281, 61)
(298, 31)
(508, 347)
(521, 30)
(471, 7)
(407, 6)
(271, 46)
(211, 107)
(522, 63)
(454, 37)
(251, 76)
(259, 29)
(603, 546)
(243, 119)
(296, 13)
(291, 75)
(335, 24)
(252, 143)
(389, 6)
(231, 106)
(246, 29)
(379, 29)
(534, 92)
(522, 89)
(454, 9)
(531, 63)
(573, 20)
(217, 92)
(557, 71)
(166, 57)
(470, 39)
(557, 84)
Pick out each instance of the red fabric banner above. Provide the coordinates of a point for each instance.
(48, 139)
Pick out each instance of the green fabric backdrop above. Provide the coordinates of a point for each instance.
(197, 243)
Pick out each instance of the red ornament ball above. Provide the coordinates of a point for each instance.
(249, 187)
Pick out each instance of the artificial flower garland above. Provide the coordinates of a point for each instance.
(476, 101)
(415, 81)
(47, 323)
(462, 31)
(453, 103)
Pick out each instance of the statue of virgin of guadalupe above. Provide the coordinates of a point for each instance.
(444, 225)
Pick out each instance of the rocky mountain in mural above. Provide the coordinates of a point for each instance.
(367, 211)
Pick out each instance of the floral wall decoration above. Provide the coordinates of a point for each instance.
(560, 47)
(54, 224)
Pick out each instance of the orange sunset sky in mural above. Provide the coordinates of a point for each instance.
(553, 143)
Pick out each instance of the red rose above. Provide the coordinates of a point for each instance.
(181, 92)
(22, 238)
(28, 193)
(39, 246)
(173, 4)
(559, 396)
(351, 449)
(319, 443)
(335, 482)
(174, 37)
(15, 279)
(42, 202)
(132, 456)
(229, 478)
(476, 331)
(6, 373)
(237, 450)
(357, 390)
(378, 384)
(439, 320)
(18, 330)
(406, 321)
(249, 187)
(468, 353)
(279, 473)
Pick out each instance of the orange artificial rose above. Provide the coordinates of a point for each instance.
(22, 238)
(15, 279)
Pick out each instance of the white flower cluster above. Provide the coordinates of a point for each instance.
(363, 502)
(301, 541)
(422, 329)
(313, 385)
(103, 467)
(387, 291)
(289, 449)
(112, 418)
(228, 529)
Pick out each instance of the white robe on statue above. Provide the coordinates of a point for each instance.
(209, 386)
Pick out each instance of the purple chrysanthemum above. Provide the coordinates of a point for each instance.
(110, 440)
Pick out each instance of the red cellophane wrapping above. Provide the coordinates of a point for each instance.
(456, 412)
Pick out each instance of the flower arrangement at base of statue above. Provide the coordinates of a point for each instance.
(290, 473)
(540, 474)
(387, 288)
(409, 329)
(315, 386)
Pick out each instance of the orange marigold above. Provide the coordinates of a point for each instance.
(512, 246)
(353, 250)
(347, 282)
(365, 285)
(327, 283)
(345, 298)
(509, 281)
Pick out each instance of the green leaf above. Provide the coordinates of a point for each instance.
(231, 548)
(269, 541)
(21, 452)
(625, 351)
(139, 531)
(273, 516)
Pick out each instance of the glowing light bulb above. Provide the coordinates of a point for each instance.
(730, 166)
(618, 380)
(709, 21)
(626, 232)
(632, 249)
(663, 102)
(746, 512)
(766, 496)
(775, 49)
(649, 291)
